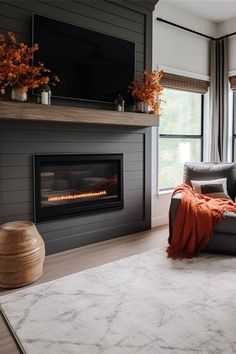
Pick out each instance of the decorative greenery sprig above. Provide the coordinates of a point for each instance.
(147, 89)
(16, 68)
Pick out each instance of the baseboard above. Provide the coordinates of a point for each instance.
(160, 220)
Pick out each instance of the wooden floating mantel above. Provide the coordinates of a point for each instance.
(36, 112)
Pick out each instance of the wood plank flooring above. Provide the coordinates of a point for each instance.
(76, 260)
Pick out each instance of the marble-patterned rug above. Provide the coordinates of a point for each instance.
(144, 304)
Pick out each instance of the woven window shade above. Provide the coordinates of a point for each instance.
(232, 80)
(184, 83)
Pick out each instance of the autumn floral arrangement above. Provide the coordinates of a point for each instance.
(16, 69)
(148, 89)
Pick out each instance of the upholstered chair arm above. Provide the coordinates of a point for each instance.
(175, 201)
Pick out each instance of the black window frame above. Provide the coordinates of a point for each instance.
(188, 136)
(234, 127)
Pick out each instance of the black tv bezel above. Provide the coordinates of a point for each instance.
(81, 100)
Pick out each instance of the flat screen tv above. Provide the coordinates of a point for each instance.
(92, 66)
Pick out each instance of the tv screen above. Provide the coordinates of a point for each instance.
(91, 65)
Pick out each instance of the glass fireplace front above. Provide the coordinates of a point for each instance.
(69, 185)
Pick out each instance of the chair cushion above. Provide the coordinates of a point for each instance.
(205, 171)
(227, 225)
(215, 188)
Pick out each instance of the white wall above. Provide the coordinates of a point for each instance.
(185, 53)
(226, 28)
(177, 48)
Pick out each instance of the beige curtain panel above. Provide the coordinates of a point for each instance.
(232, 80)
(184, 83)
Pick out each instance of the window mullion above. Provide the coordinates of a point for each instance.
(184, 136)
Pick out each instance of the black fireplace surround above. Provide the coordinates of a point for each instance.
(76, 184)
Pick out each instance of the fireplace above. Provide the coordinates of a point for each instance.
(76, 184)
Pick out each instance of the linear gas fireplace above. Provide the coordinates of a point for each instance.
(69, 185)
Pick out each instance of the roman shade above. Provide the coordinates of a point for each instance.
(232, 80)
(179, 82)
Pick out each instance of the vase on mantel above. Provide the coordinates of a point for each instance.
(17, 94)
(143, 107)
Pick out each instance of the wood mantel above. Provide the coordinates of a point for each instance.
(36, 112)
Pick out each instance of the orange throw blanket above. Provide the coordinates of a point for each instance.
(195, 219)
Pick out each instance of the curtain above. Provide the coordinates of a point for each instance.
(219, 101)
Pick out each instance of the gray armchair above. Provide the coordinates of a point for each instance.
(224, 237)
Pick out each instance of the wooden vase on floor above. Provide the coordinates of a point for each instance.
(22, 253)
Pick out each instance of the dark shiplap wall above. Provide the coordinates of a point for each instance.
(20, 140)
(99, 15)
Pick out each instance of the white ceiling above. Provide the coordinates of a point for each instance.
(212, 10)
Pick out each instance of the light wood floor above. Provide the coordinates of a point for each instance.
(76, 260)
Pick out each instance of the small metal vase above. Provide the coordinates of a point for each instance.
(17, 94)
(143, 107)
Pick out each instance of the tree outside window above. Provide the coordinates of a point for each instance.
(181, 135)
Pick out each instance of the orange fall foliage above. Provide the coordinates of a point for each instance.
(16, 69)
(147, 90)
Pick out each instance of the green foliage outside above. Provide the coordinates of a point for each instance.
(182, 116)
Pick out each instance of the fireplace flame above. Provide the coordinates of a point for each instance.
(77, 196)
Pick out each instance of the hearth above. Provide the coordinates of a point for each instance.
(76, 184)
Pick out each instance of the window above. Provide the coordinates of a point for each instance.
(234, 126)
(181, 135)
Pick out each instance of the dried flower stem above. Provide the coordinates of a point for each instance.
(148, 89)
(16, 68)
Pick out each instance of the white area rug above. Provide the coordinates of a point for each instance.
(145, 304)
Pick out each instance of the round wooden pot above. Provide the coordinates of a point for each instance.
(22, 253)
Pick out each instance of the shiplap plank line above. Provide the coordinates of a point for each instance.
(65, 15)
(70, 127)
(95, 236)
(81, 230)
(68, 136)
(20, 36)
(85, 10)
(27, 208)
(14, 25)
(77, 221)
(22, 172)
(70, 17)
(17, 184)
(70, 222)
(10, 10)
(26, 171)
(116, 8)
(19, 217)
(26, 160)
(55, 147)
(107, 23)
